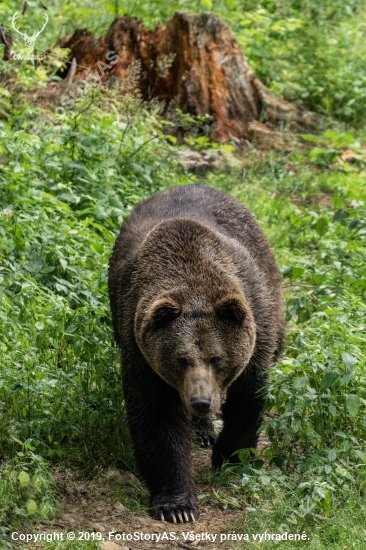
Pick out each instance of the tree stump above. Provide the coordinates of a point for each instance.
(196, 59)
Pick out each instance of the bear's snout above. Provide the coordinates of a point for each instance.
(201, 392)
(201, 405)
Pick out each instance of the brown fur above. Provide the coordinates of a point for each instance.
(197, 312)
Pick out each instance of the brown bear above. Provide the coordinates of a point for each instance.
(197, 311)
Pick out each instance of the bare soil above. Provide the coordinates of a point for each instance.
(116, 502)
(110, 503)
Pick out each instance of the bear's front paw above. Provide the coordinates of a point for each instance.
(204, 432)
(204, 440)
(174, 511)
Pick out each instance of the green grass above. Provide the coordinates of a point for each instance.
(60, 378)
(63, 195)
(65, 191)
(342, 529)
(314, 476)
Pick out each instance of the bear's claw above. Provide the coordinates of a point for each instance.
(203, 432)
(175, 516)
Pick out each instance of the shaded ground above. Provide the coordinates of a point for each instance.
(116, 501)
(92, 507)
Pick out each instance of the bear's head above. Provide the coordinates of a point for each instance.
(198, 344)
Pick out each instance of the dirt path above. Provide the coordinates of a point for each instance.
(96, 506)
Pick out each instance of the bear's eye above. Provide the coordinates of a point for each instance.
(215, 362)
(182, 362)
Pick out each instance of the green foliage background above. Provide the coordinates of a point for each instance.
(64, 192)
(63, 195)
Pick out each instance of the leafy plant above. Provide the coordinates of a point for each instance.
(315, 461)
(338, 147)
(65, 188)
(26, 487)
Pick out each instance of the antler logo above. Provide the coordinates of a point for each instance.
(29, 40)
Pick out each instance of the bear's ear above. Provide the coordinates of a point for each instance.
(232, 308)
(164, 310)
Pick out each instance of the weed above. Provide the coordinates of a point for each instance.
(63, 199)
(317, 393)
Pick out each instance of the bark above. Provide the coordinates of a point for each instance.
(196, 59)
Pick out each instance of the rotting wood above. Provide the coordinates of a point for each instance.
(196, 59)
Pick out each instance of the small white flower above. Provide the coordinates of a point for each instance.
(6, 213)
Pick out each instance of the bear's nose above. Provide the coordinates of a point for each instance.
(200, 404)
